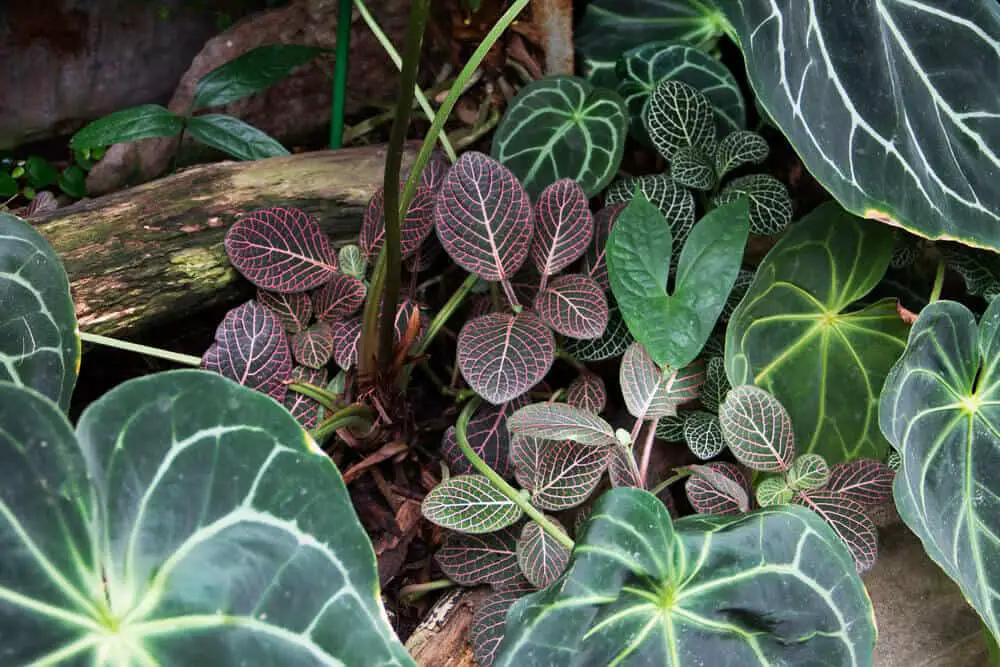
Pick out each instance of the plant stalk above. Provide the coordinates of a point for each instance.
(352, 415)
(647, 450)
(681, 474)
(340, 74)
(176, 357)
(513, 494)
(416, 591)
(318, 394)
(938, 282)
(445, 313)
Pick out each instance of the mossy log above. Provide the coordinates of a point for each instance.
(152, 255)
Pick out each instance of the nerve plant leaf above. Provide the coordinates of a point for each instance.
(487, 435)
(560, 421)
(692, 168)
(770, 203)
(564, 227)
(281, 249)
(773, 491)
(673, 201)
(574, 305)
(808, 472)
(541, 557)
(719, 488)
(671, 427)
(725, 573)
(865, 481)
(491, 558)
(650, 392)
(339, 298)
(483, 217)
(346, 342)
(716, 386)
(622, 468)
(295, 310)
(679, 116)
(757, 429)
(434, 171)
(611, 344)
(587, 392)
(558, 474)
(486, 630)
(414, 228)
(251, 348)
(352, 261)
(305, 410)
(502, 356)
(313, 347)
(593, 259)
(703, 434)
(739, 148)
(469, 504)
(849, 520)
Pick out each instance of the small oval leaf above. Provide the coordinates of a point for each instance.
(295, 310)
(486, 630)
(574, 305)
(849, 520)
(481, 559)
(502, 356)
(414, 228)
(559, 474)
(313, 347)
(770, 203)
(346, 342)
(559, 421)
(773, 491)
(650, 392)
(470, 504)
(757, 429)
(251, 348)
(865, 481)
(622, 468)
(593, 259)
(703, 434)
(587, 392)
(719, 488)
(564, 227)
(305, 410)
(679, 116)
(339, 298)
(673, 201)
(610, 345)
(808, 472)
(739, 148)
(352, 261)
(487, 435)
(541, 557)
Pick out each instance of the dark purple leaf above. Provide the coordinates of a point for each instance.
(848, 518)
(622, 468)
(574, 305)
(252, 349)
(434, 171)
(719, 488)
(525, 283)
(313, 347)
(650, 392)
(487, 435)
(425, 255)
(305, 409)
(483, 217)
(541, 557)
(587, 392)
(559, 474)
(415, 227)
(593, 260)
(490, 558)
(564, 227)
(346, 342)
(294, 310)
(866, 481)
(339, 298)
(502, 356)
(486, 631)
(281, 249)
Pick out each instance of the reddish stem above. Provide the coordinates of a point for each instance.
(647, 449)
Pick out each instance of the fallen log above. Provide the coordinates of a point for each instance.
(153, 255)
(442, 640)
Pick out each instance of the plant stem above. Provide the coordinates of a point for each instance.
(390, 50)
(513, 494)
(445, 313)
(318, 394)
(340, 74)
(508, 289)
(647, 449)
(681, 474)
(416, 591)
(176, 357)
(938, 282)
(352, 415)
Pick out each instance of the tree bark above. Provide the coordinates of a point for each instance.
(153, 255)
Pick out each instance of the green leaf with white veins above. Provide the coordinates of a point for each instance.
(940, 409)
(770, 203)
(188, 520)
(896, 127)
(562, 127)
(470, 504)
(772, 587)
(679, 116)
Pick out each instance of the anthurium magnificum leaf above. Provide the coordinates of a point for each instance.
(775, 586)
(251, 348)
(757, 429)
(562, 127)
(470, 504)
(560, 421)
(39, 347)
(649, 391)
(541, 556)
(879, 159)
(558, 474)
(609, 345)
(483, 217)
(414, 228)
(481, 559)
(939, 409)
(679, 116)
(281, 249)
(187, 521)
(587, 392)
(797, 335)
(295, 309)
(866, 481)
(313, 347)
(338, 299)
(142, 122)
(502, 356)
(719, 488)
(564, 227)
(848, 518)
(573, 305)
(231, 135)
(251, 72)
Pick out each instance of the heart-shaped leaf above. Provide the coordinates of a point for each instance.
(305, 410)
(593, 259)
(574, 305)
(610, 345)
(483, 217)
(719, 573)
(757, 429)
(679, 116)
(487, 435)
(587, 392)
(559, 474)
(889, 165)
(470, 504)
(541, 556)
(564, 227)
(502, 356)
(257, 69)
(414, 228)
(808, 472)
(560, 421)
(562, 127)
(188, 520)
(481, 559)
(640, 69)
(849, 520)
(339, 298)
(346, 342)
(486, 629)
(295, 310)
(281, 249)
(692, 168)
(797, 335)
(739, 148)
(39, 347)
(251, 348)
(770, 203)
(673, 201)
(719, 488)
(939, 409)
(865, 481)
(651, 393)
(313, 347)
(233, 136)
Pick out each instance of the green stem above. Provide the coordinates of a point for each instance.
(938, 282)
(681, 474)
(340, 74)
(416, 591)
(176, 357)
(447, 310)
(390, 50)
(513, 494)
(318, 394)
(352, 415)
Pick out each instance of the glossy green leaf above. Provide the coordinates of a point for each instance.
(188, 520)
(73, 181)
(560, 421)
(470, 504)
(772, 587)
(770, 203)
(798, 334)
(737, 149)
(940, 409)
(233, 136)
(39, 172)
(562, 127)
(251, 72)
(894, 126)
(141, 122)
(541, 556)
(39, 344)
(808, 472)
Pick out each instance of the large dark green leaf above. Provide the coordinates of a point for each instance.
(252, 72)
(187, 521)
(562, 127)
(895, 126)
(776, 586)
(798, 334)
(39, 346)
(142, 122)
(940, 409)
(233, 136)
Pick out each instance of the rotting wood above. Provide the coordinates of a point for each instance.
(442, 639)
(153, 255)
(555, 18)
